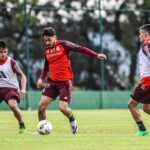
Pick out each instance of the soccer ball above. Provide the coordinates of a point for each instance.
(44, 127)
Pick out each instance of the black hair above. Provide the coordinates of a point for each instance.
(2, 44)
(49, 31)
(145, 28)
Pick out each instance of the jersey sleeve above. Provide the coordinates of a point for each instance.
(69, 46)
(45, 70)
(15, 67)
(146, 49)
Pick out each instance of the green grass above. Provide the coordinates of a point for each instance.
(98, 130)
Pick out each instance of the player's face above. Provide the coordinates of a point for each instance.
(142, 36)
(50, 40)
(3, 54)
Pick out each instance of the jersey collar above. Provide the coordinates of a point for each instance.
(3, 61)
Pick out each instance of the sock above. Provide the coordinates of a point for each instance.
(22, 125)
(71, 118)
(141, 126)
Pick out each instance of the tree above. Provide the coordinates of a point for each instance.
(77, 21)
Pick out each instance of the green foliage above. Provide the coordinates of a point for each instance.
(23, 33)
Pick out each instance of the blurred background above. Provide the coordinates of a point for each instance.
(105, 26)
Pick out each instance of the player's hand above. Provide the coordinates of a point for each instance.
(39, 84)
(102, 56)
(23, 93)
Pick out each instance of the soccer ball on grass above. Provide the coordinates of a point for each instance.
(44, 127)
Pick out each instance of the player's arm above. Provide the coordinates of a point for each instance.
(43, 74)
(20, 75)
(146, 49)
(77, 48)
(23, 84)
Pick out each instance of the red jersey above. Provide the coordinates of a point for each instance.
(57, 60)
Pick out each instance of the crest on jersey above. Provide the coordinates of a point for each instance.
(57, 48)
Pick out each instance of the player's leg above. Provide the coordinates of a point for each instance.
(17, 113)
(146, 108)
(49, 94)
(44, 102)
(132, 105)
(64, 108)
(65, 92)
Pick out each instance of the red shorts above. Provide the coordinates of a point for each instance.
(9, 93)
(63, 89)
(141, 94)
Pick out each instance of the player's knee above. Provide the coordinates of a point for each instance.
(12, 106)
(42, 106)
(62, 108)
(146, 110)
(130, 105)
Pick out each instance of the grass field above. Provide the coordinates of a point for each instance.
(98, 130)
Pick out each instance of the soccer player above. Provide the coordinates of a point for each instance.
(141, 93)
(57, 66)
(9, 86)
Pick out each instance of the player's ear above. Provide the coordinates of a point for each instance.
(6, 49)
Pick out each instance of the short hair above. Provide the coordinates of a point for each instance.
(2, 44)
(145, 28)
(49, 31)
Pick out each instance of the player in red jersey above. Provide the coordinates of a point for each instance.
(9, 86)
(58, 66)
(141, 93)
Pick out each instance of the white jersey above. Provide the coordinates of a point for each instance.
(8, 77)
(144, 60)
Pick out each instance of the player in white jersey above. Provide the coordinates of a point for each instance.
(141, 93)
(9, 87)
